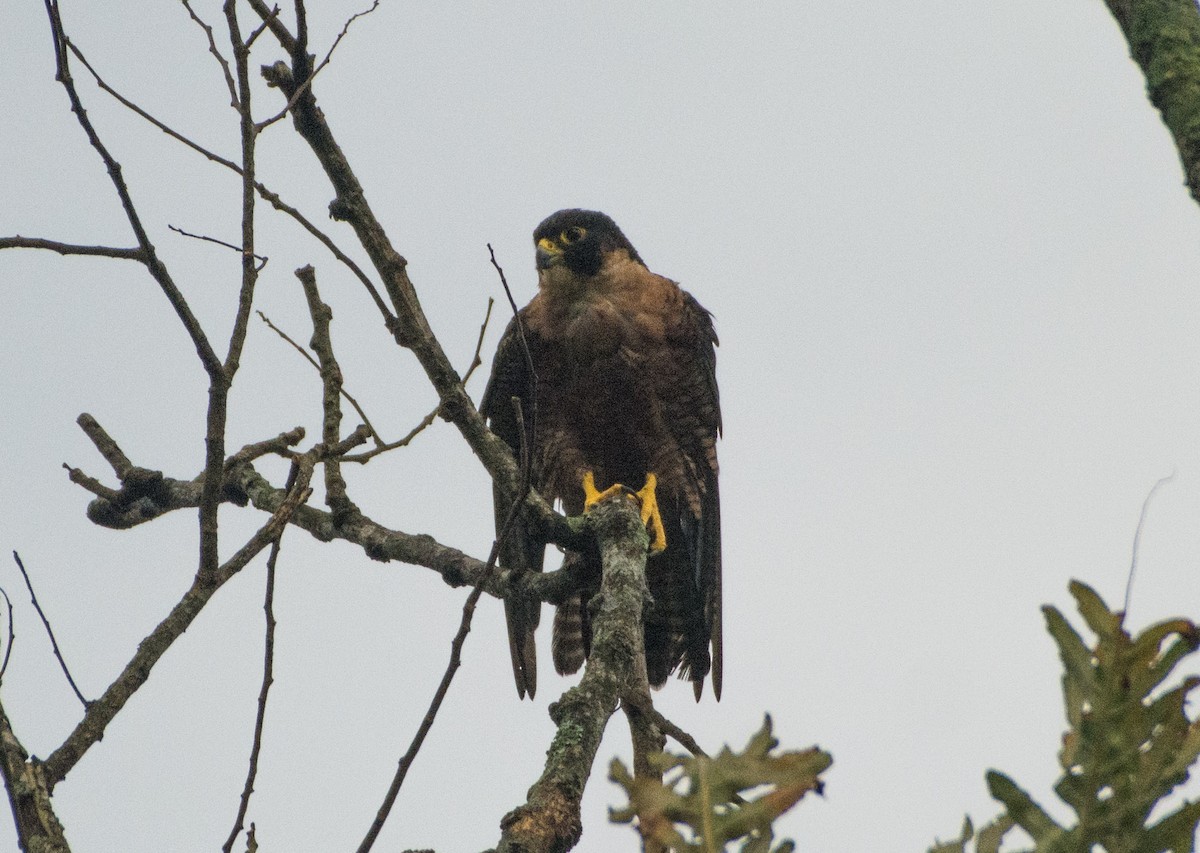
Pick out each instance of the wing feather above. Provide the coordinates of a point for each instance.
(521, 549)
(693, 414)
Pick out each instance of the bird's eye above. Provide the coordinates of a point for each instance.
(572, 235)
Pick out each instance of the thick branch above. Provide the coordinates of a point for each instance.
(142, 501)
(550, 822)
(411, 328)
(38, 828)
(1164, 39)
(101, 712)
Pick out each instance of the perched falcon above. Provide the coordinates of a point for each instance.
(625, 394)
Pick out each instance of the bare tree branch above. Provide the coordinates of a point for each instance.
(149, 256)
(148, 494)
(38, 829)
(350, 399)
(207, 239)
(270, 17)
(101, 712)
(12, 635)
(19, 242)
(550, 818)
(267, 680)
(241, 59)
(212, 48)
(331, 382)
(263, 125)
(49, 631)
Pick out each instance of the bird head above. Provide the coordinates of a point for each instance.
(572, 245)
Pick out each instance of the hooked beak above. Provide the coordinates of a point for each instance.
(548, 254)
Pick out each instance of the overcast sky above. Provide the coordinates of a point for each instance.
(953, 268)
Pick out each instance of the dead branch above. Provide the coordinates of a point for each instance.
(49, 632)
(215, 51)
(20, 242)
(101, 712)
(219, 242)
(331, 382)
(349, 399)
(37, 826)
(267, 681)
(550, 818)
(151, 494)
(12, 635)
(263, 125)
(456, 645)
(149, 255)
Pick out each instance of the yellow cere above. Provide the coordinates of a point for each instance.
(548, 245)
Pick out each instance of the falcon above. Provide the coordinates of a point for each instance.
(622, 394)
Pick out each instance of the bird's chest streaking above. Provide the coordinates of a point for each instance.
(597, 391)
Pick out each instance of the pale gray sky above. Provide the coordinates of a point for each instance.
(954, 271)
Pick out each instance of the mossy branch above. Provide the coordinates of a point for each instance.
(1164, 39)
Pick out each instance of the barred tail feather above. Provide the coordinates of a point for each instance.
(572, 635)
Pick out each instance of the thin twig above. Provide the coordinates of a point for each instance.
(237, 249)
(157, 269)
(533, 377)
(267, 680)
(464, 628)
(280, 445)
(101, 712)
(270, 17)
(263, 125)
(353, 402)
(1137, 538)
(681, 737)
(19, 242)
(476, 361)
(93, 485)
(212, 48)
(8, 647)
(49, 631)
(270, 196)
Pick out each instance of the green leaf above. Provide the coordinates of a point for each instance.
(1128, 745)
(707, 797)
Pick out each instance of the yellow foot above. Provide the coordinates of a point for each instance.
(651, 517)
(591, 497)
(650, 514)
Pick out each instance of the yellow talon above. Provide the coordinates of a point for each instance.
(591, 497)
(651, 517)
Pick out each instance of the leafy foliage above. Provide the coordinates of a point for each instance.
(1129, 744)
(711, 807)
